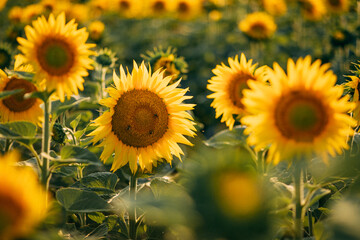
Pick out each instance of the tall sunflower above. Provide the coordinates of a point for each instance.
(58, 52)
(146, 119)
(22, 199)
(258, 25)
(15, 107)
(300, 114)
(228, 84)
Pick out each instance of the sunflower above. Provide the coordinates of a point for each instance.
(355, 86)
(15, 107)
(300, 114)
(96, 30)
(2, 4)
(22, 198)
(15, 14)
(30, 12)
(337, 6)
(128, 8)
(275, 7)
(258, 25)
(58, 53)
(228, 84)
(186, 9)
(158, 7)
(146, 120)
(313, 10)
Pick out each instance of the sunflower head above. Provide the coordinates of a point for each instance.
(59, 54)
(15, 14)
(168, 61)
(313, 10)
(275, 7)
(6, 54)
(30, 12)
(341, 38)
(352, 88)
(128, 8)
(105, 58)
(2, 4)
(228, 84)
(186, 9)
(146, 120)
(337, 6)
(96, 30)
(22, 198)
(258, 26)
(301, 112)
(158, 7)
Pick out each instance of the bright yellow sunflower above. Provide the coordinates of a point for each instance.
(258, 25)
(158, 8)
(22, 198)
(129, 8)
(313, 10)
(228, 84)
(354, 84)
(58, 53)
(2, 4)
(299, 114)
(30, 12)
(15, 107)
(146, 120)
(186, 9)
(275, 7)
(337, 6)
(96, 30)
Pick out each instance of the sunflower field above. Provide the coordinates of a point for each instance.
(179, 119)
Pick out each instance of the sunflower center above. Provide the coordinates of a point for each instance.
(300, 116)
(140, 118)
(258, 28)
(183, 7)
(237, 84)
(5, 59)
(335, 3)
(17, 103)
(10, 211)
(55, 56)
(159, 6)
(124, 5)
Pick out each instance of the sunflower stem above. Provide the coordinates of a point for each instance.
(132, 212)
(103, 85)
(310, 223)
(46, 144)
(299, 192)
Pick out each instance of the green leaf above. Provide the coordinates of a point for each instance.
(98, 232)
(316, 196)
(100, 180)
(61, 107)
(75, 153)
(97, 217)
(29, 76)
(5, 94)
(21, 131)
(228, 138)
(77, 200)
(74, 123)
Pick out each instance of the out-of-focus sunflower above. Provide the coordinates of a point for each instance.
(79, 12)
(337, 6)
(158, 8)
(275, 7)
(15, 107)
(22, 198)
(228, 84)
(258, 25)
(58, 52)
(299, 114)
(2, 4)
(186, 9)
(30, 12)
(313, 10)
(146, 120)
(96, 30)
(15, 14)
(129, 8)
(98, 7)
(353, 87)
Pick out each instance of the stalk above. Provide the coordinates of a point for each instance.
(132, 212)
(45, 174)
(299, 193)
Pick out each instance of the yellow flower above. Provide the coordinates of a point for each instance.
(99, 6)
(96, 30)
(79, 12)
(215, 15)
(58, 53)
(129, 8)
(30, 12)
(337, 6)
(228, 84)
(354, 84)
(146, 120)
(258, 25)
(167, 63)
(2, 4)
(186, 9)
(300, 114)
(158, 7)
(15, 14)
(15, 107)
(313, 10)
(275, 7)
(22, 199)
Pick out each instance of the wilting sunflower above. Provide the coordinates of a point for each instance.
(313, 10)
(146, 120)
(228, 84)
(337, 6)
(22, 199)
(58, 53)
(15, 107)
(258, 25)
(299, 114)
(275, 7)
(354, 85)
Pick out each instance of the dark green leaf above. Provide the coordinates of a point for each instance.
(100, 180)
(228, 138)
(21, 131)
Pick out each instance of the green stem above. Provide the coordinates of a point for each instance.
(36, 155)
(310, 223)
(103, 85)
(46, 144)
(299, 193)
(132, 212)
